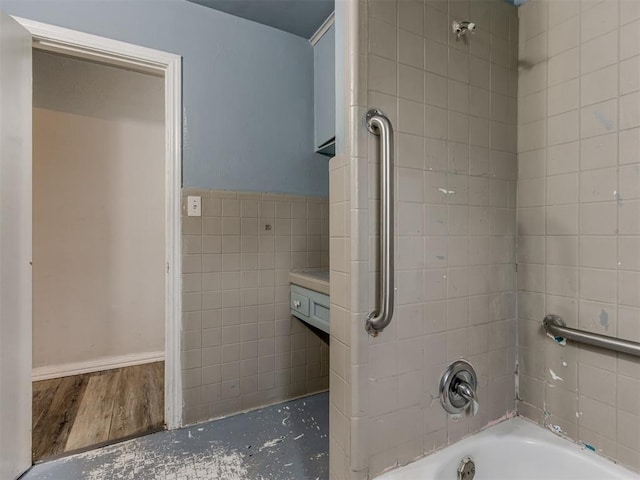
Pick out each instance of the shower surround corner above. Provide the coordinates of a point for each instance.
(578, 211)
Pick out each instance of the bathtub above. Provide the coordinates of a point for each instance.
(516, 450)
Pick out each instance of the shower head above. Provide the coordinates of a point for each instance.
(460, 28)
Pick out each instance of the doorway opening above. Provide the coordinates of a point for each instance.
(21, 37)
(98, 253)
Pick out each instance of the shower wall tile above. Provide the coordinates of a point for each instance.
(241, 348)
(587, 246)
(453, 105)
(347, 183)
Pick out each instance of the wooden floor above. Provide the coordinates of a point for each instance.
(73, 413)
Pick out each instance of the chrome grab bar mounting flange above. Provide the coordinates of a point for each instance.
(554, 325)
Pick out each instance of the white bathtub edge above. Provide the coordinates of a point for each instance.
(582, 445)
(509, 415)
(516, 427)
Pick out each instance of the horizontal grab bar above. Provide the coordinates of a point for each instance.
(554, 325)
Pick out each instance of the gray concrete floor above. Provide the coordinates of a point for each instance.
(289, 441)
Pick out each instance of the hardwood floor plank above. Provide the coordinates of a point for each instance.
(43, 393)
(42, 397)
(93, 420)
(58, 403)
(71, 413)
(135, 408)
(124, 421)
(156, 395)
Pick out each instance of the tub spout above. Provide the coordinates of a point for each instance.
(467, 392)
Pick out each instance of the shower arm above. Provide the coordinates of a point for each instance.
(379, 125)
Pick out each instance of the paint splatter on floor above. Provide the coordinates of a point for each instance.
(283, 442)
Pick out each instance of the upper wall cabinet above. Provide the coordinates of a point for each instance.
(324, 91)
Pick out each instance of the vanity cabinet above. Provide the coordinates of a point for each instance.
(311, 307)
(310, 297)
(324, 93)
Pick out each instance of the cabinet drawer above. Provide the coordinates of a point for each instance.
(300, 304)
(319, 312)
(311, 307)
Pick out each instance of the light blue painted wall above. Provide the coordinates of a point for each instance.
(247, 88)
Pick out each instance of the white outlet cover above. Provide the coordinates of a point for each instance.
(193, 206)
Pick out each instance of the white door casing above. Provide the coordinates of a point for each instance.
(15, 248)
(84, 45)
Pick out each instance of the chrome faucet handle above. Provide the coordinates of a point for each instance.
(458, 388)
(466, 391)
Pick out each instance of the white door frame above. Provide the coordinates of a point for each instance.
(79, 44)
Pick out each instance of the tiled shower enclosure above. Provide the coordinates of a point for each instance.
(453, 105)
(520, 138)
(579, 217)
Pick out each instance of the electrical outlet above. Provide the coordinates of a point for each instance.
(193, 206)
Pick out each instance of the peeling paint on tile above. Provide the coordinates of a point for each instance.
(618, 198)
(605, 121)
(556, 429)
(559, 340)
(604, 319)
(557, 378)
(587, 446)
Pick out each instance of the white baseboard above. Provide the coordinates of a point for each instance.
(97, 365)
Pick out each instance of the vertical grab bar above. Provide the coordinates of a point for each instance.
(379, 125)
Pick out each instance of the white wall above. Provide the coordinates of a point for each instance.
(98, 178)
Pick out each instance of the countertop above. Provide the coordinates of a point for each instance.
(316, 280)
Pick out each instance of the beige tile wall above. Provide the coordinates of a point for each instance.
(241, 348)
(343, 230)
(579, 216)
(340, 388)
(453, 107)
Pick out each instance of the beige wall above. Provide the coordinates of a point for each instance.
(98, 182)
(241, 348)
(578, 217)
(453, 108)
